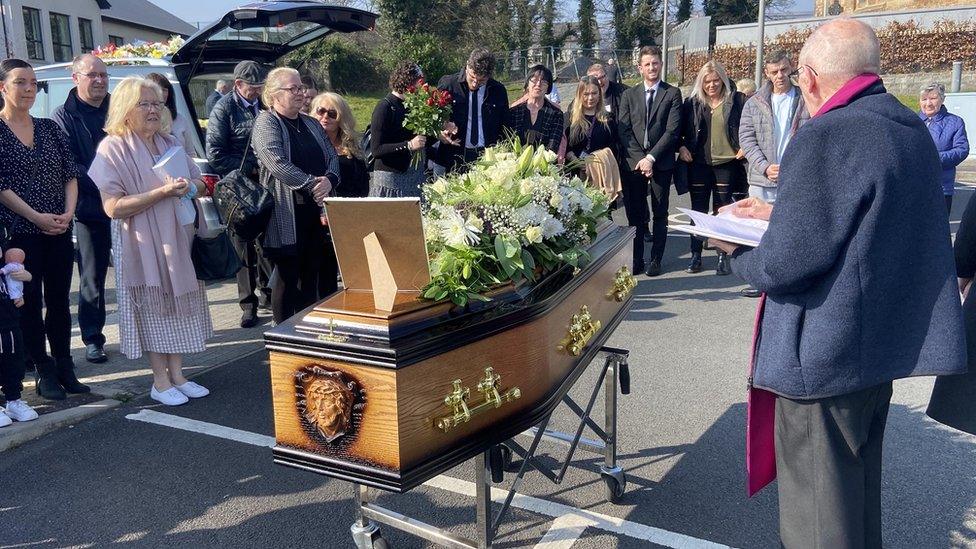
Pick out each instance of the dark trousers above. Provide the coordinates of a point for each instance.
(94, 249)
(50, 260)
(638, 191)
(328, 271)
(717, 184)
(297, 284)
(948, 199)
(828, 466)
(253, 275)
(12, 366)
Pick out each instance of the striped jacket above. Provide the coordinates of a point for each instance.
(273, 149)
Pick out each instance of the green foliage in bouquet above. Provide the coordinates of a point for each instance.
(514, 215)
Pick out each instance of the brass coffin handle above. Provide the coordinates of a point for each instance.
(582, 328)
(623, 284)
(457, 400)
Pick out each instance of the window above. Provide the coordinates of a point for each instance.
(117, 40)
(32, 31)
(87, 37)
(61, 37)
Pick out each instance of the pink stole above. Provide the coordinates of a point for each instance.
(760, 420)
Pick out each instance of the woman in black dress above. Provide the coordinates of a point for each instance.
(336, 118)
(300, 167)
(589, 127)
(954, 397)
(38, 193)
(536, 121)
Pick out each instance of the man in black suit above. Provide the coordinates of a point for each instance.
(612, 90)
(649, 124)
(473, 128)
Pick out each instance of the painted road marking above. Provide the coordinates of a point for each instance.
(569, 522)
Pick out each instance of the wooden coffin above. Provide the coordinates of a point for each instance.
(393, 399)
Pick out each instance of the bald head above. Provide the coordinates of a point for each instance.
(842, 49)
(90, 75)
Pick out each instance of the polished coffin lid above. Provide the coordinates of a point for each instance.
(346, 329)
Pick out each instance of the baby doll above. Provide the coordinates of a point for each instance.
(14, 257)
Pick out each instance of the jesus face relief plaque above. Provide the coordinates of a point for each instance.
(330, 403)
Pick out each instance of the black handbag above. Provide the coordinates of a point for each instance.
(214, 258)
(245, 205)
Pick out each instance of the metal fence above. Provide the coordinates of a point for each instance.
(567, 64)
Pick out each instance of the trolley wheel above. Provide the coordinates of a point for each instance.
(507, 456)
(614, 486)
(496, 463)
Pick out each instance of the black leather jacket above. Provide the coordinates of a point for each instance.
(228, 131)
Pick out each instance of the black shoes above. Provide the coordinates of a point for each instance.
(750, 292)
(249, 319)
(265, 304)
(653, 267)
(696, 264)
(724, 267)
(48, 385)
(95, 353)
(67, 378)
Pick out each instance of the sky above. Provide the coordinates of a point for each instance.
(199, 11)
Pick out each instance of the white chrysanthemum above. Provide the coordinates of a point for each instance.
(531, 214)
(552, 227)
(456, 231)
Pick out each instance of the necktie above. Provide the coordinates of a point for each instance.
(647, 123)
(473, 100)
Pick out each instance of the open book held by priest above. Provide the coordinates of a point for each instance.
(724, 226)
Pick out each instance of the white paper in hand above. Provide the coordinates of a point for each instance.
(724, 226)
(175, 163)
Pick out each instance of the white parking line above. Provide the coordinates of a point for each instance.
(567, 527)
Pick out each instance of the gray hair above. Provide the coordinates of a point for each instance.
(933, 87)
(220, 84)
(79, 61)
(842, 49)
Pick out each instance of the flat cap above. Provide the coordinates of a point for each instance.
(250, 72)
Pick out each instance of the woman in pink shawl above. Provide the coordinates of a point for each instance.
(162, 306)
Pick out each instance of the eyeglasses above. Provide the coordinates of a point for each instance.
(796, 73)
(94, 75)
(295, 90)
(331, 113)
(147, 105)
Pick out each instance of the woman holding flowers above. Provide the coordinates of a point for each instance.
(392, 144)
(591, 138)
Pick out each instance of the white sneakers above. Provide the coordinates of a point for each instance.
(4, 419)
(193, 390)
(179, 394)
(17, 410)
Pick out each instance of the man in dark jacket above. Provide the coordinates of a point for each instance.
(649, 124)
(228, 132)
(480, 106)
(82, 118)
(220, 89)
(612, 90)
(858, 272)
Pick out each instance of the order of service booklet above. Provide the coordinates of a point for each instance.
(175, 163)
(724, 226)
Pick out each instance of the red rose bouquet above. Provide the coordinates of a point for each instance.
(428, 108)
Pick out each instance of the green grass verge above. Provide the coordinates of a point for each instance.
(362, 107)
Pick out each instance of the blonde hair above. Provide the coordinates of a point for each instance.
(272, 83)
(578, 124)
(716, 67)
(348, 138)
(125, 97)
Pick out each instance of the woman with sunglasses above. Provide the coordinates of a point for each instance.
(299, 165)
(337, 120)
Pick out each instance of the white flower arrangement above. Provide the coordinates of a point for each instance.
(513, 216)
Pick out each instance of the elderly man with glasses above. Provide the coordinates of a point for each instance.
(82, 118)
(612, 89)
(228, 132)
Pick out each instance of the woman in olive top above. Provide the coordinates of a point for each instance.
(710, 147)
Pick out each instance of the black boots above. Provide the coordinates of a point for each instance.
(48, 385)
(696, 263)
(54, 379)
(724, 268)
(67, 378)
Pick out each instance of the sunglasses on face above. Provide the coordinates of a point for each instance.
(331, 113)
